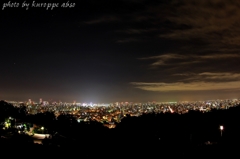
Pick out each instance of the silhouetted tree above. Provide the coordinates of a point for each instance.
(7, 110)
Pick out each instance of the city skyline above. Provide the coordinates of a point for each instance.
(138, 51)
(52, 101)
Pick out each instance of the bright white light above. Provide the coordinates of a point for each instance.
(221, 127)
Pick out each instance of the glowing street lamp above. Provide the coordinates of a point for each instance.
(221, 129)
(42, 128)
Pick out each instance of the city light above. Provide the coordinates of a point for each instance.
(108, 112)
(221, 129)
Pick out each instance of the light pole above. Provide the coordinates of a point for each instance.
(42, 128)
(221, 129)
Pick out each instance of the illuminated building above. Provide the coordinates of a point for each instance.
(29, 101)
(40, 101)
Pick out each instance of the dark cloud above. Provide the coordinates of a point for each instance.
(190, 86)
(215, 22)
(208, 32)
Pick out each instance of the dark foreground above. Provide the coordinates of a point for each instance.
(191, 135)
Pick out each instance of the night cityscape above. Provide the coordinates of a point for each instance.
(113, 113)
(120, 79)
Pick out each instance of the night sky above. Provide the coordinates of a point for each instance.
(121, 50)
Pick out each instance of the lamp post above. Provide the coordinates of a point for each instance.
(42, 128)
(221, 129)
